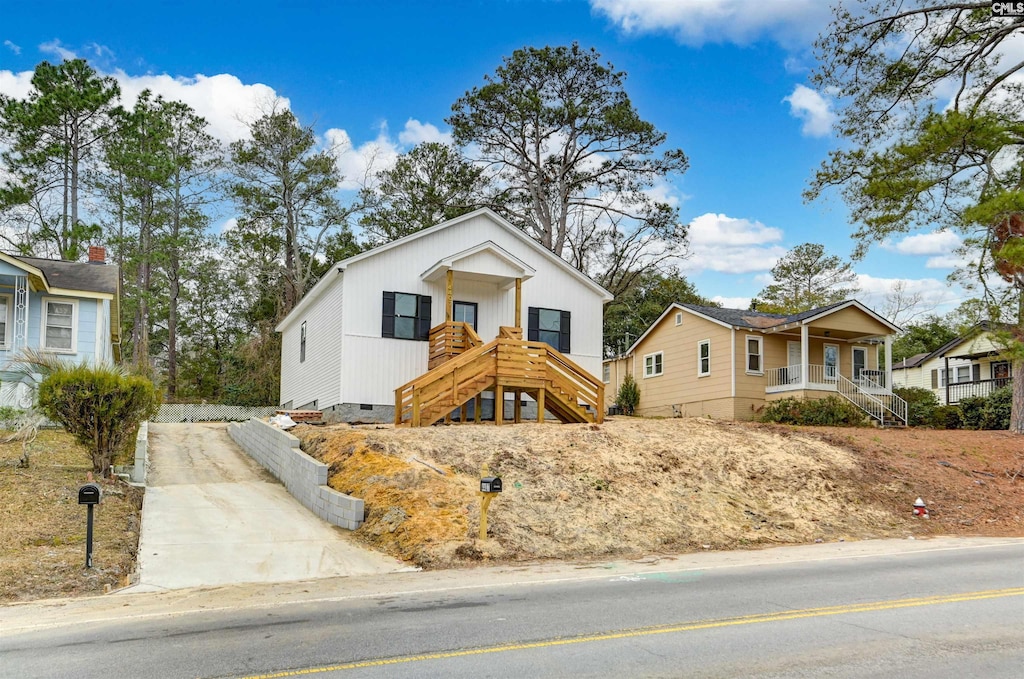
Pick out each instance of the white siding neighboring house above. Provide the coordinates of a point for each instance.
(360, 333)
(969, 365)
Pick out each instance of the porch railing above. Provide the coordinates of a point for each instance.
(790, 375)
(895, 405)
(961, 390)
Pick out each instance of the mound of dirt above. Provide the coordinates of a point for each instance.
(624, 488)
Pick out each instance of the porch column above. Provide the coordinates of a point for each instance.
(888, 362)
(449, 278)
(804, 352)
(519, 302)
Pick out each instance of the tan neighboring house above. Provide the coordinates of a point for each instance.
(727, 363)
(970, 365)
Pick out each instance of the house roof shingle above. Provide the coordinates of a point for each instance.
(76, 275)
(757, 319)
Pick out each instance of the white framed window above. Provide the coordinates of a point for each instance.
(703, 358)
(302, 342)
(654, 364)
(679, 318)
(6, 308)
(59, 333)
(606, 373)
(963, 374)
(754, 353)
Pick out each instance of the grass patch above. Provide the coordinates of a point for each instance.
(42, 526)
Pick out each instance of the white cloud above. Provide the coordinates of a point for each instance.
(227, 225)
(696, 22)
(730, 245)
(416, 132)
(11, 46)
(732, 302)
(224, 100)
(358, 164)
(934, 243)
(812, 108)
(16, 85)
(950, 261)
(935, 293)
(55, 48)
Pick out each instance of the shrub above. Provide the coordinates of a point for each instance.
(921, 403)
(628, 397)
(100, 406)
(995, 414)
(947, 417)
(828, 412)
(971, 408)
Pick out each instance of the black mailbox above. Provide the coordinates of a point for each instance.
(490, 484)
(89, 494)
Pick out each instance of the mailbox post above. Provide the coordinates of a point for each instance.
(489, 487)
(89, 495)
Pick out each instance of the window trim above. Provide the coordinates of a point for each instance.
(654, 355)
(302, 342)
(760, 354)
(8, 322)
(606, 373)
(679, 318)
(43, 314)
(701, 359)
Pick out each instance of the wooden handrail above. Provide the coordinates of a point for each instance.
(506, 360)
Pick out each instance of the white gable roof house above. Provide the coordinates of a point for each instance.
(431, 327)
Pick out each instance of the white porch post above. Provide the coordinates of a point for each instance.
(888, 363)
(804, 352)
(20, 339)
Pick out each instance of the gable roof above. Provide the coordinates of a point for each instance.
(973, 331)
(80, 276)
(327, 281)
(743, 319)
(911, 362)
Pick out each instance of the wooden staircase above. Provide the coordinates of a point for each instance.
(461, 369)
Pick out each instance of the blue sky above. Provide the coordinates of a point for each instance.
(725, 79)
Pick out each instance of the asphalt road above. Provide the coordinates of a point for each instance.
(928, 612)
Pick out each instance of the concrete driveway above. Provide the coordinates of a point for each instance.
(213, 516)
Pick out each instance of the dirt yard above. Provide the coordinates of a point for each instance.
(42, 526)
(631, 487)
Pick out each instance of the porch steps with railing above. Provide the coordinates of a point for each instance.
(461, 369)
(872, 397)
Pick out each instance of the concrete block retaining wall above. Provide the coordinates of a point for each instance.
(305, 478)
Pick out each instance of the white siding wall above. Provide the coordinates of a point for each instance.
(319, 376)
(374, 367)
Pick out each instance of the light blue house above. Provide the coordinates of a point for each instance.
(69, 309)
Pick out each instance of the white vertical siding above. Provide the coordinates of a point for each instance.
(374, 367)
(318, 377)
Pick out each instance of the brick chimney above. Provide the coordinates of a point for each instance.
(97, 254)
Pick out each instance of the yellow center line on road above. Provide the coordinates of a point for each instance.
(661, 629)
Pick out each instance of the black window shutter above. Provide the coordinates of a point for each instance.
(976, 372)
(387, 327)
(935, 379)
(423, 318)
(532, 324)
(563, 332)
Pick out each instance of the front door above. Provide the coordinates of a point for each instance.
(1001, 372)
(831, 362)
(860, 360)
(793, 358)
(464, 312)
